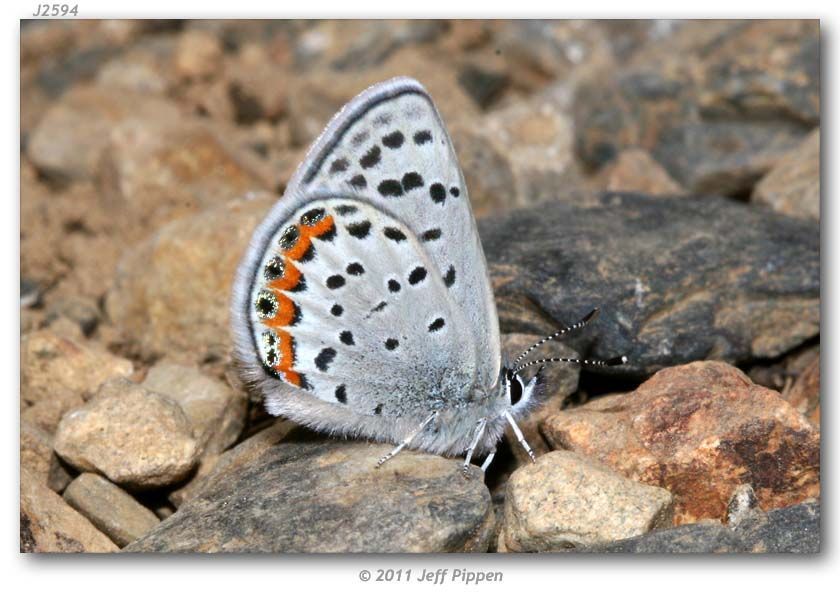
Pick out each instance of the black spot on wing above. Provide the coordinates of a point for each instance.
(411, 181)
(359, 182)
(339, 165)
(371, 157)
(394, 286)
(324, 358)
(346, 209)
(394, 139)
(431, 235)
(422, 137)
(337, 310)
(392, 233)
(436, 325)
(437, 192)
(391, 344)
(341, 394)
(355, 269)
(449, 278)
(359, 230)
(454, 191)
(346, 338)
(417, 275)
(390, 187)
(335, 281)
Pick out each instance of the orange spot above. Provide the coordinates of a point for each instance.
(290, 279)
(307, 232)
(286, 310)
(286, 363)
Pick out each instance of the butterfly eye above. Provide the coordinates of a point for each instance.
(515, 390)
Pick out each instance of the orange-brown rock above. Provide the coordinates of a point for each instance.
(805, 393)
(699, 430)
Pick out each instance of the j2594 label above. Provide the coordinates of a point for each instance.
(56, 10)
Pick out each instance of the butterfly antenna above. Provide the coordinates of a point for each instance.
(612, 362)
(592, 314)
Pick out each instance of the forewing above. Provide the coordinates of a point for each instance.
(390, 147)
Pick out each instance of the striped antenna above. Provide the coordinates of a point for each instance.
(612, 362)
(592, 314)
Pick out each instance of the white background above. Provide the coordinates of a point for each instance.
(526, 576)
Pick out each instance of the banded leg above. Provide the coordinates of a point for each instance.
(407, 440)
(519, 437)
(479, 431)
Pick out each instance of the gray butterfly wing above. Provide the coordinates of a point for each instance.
(387, 161)
(390, 146)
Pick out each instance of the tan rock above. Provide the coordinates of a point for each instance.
(153, 298)
(792, 187)
(153, 172)
(634, 170)
(112, 510)
(56, 373)
(699, 430)
(198, 54)
(70, 138)
(566, 500)
(48, 524)
(35, 451)
(216, 411)
(131, 435)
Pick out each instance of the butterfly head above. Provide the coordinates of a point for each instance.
(520, 395)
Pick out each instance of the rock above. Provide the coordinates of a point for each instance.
(537, 140)
(35, 451)
(194, 257)
(131, 435)
(792, 187)
(634, 170)
(561, 381)
(56, 373)
(485, 83)
(699, 431)
(324, 496)
(197, 55)
(566, 500)
(113, 511)
(718, 105)
(795, 529)
(742, 504)
(235, 458)
(805, 393)
(69, 140)
(155, 172)
(81, 311)
(676, 281)
(215, 411)
(48, 524)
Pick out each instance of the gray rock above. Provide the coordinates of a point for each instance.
(676, 280)
(795, 529)
(793, 186)
(567, 500)
(325, 496)
(131, 435)
(112, 510)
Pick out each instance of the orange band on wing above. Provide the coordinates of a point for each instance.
(287, 313)
(286, 363)
(290, 279)
(307, 232)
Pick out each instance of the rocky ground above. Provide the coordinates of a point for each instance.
(667, 172)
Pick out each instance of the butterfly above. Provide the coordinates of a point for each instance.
(363, 305)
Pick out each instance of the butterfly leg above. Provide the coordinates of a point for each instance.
(479, 431)
(407, 440)
(487, 461)
(519, 437)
